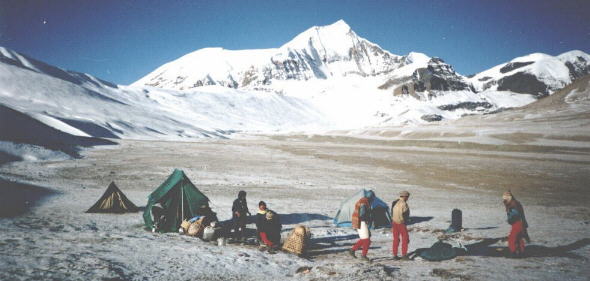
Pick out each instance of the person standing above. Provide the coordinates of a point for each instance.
(400, 216)
(240, 215)
(519, 225)
(361, 221)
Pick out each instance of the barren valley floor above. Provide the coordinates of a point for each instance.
(303, 178)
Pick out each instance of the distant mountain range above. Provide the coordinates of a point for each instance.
(337, 51)
(326, 78)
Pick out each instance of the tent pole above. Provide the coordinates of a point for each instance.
(182, 203)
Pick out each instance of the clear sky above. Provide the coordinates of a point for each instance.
(121, 41)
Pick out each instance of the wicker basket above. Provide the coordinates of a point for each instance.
(196, 228)
(297, 241)
(184, 225)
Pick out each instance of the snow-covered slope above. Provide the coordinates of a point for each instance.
(25, 137)
(537, 74)
(79, 104)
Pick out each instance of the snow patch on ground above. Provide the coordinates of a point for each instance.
(28, 152)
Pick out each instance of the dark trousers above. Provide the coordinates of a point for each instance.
(239, 224)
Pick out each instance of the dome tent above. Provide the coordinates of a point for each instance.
(381, 215)
(180, 199)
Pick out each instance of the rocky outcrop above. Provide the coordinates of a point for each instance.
(435, 76)
(431, 117)
(473, 106)
(514, 65)
(523, 83)
(578, 66)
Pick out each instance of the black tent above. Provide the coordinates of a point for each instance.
(113, 201)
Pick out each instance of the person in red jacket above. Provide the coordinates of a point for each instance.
(361, 221)
(517, 220)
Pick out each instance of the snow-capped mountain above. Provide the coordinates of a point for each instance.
(326, 78)
(334, 51)
(536, 74)
(317, 53)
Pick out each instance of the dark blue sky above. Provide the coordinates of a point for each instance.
(121, 41)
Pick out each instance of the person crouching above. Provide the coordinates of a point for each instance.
(361, 220)
(268, 227)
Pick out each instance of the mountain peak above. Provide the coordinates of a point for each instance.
(574, 55)
(339, 25)
(336, 34)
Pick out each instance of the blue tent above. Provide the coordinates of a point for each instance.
(381, 215)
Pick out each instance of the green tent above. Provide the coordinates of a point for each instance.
(179, 199)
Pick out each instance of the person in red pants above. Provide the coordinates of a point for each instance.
(400, 216)
(268, 226)
(516, 218)
(361, 221)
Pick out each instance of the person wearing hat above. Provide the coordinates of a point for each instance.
(517, 220)
(240, 215)
(400, 216)
(361, 220)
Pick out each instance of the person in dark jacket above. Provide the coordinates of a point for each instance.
(268, 226)
(273, 228)
(400, 217)
(517, 220)
(240, 215)
(362, 218)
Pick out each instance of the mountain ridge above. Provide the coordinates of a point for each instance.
(324, 52)
(306, 86)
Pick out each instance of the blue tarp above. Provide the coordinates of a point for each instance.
(381, 215)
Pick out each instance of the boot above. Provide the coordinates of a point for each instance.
(351, 253)
(365, 259)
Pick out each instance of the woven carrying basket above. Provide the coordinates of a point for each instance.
(184, 225)
(196, 228)
(297, 241)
